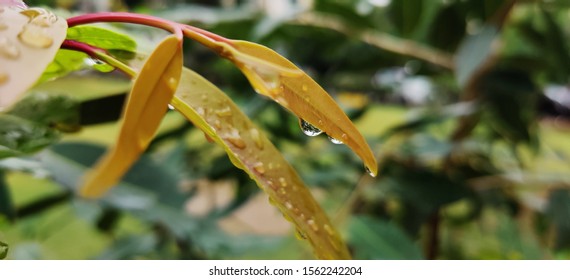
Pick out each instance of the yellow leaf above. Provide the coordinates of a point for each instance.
(248, 148)
(146, 105)
(278, 78)
(29, 40)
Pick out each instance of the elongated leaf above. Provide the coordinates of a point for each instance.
(28, 43)
(102, 38)
(278, 78)
(248, 148)
(147, 103)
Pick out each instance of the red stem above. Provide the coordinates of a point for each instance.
(82, 47)
(169, 26)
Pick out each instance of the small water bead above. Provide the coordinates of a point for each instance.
(313, 225)
(256, 136)
(234, 137)
(288, 205)
(170, 107)
(283, 182)
(224, 112)
(309, 129)
(329, 230)
(335, 141)
(8, 49)
(369, 172)
(35, 36)
(217, 124)
(259, 167)
(173, 83)
(282, 191)
(201, 111)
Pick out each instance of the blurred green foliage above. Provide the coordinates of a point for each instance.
(465, 103)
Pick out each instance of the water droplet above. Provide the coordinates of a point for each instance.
(309, 129)
(234, 138)
(35, 36)
(281, 100)
(344, 137)
(313, 225)
(283, 182)
(329, 230)
(270, 166)
(3, 77)
(33, 12)
(335, 141)
(170, 107)
(256, 136)
(369, 172)
(259, 168)
(201, 111)
(296, 211)
(300, 235)
(288, 205)
(217, 124)
(224, 112)
(305, 87)
(44, 20)
(282, 191)
(172, 83)
(8, 49)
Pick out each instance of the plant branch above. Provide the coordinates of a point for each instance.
(381, 40)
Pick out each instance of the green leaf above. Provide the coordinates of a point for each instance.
(56, 111)
(147, 103)
(102, 38)
(473, 52)
(65, 62)
(376, 239)
(249, 149)
(19, 137)
(3, 250)
(29, 44)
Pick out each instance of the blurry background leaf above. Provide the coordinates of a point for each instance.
(380, 240)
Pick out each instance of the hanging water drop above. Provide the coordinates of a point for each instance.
(170, 107)
(224, 112)
(35, 36)
(8, 49)
(309, 129)
(335, 141)
(369, 172)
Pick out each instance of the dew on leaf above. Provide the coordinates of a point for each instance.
(259, 167)
(283, 182)
(234, 137)
(35, 36)
(369, 172)
(335, 141)
(224, 112)
(8, 49)
(282, 191)
(309, 129)
(172, 83)
(288, 205)
(170, 107)
(313, 225)
(329, 230)
(256, 136)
